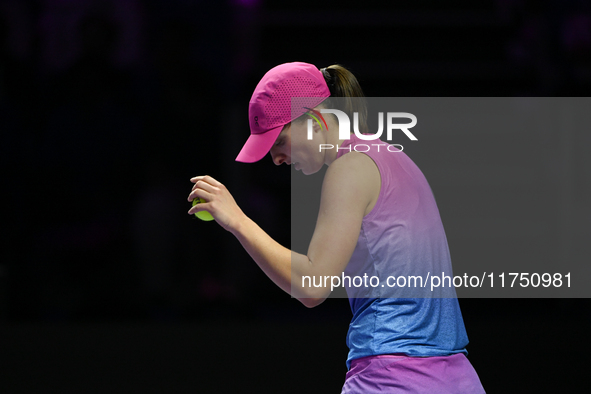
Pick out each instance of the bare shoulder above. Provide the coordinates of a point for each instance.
(355, 174)
(347, 191)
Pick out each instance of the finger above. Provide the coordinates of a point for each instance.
(200, 207)
(206, 178)
(211, 180)
(202, 184)
(204, 191)
(199, 193)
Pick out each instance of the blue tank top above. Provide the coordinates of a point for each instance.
(403, 235)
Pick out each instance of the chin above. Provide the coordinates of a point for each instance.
(308, 171)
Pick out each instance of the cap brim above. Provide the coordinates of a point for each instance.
(258, 145)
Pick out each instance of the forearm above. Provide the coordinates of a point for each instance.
(283, 266)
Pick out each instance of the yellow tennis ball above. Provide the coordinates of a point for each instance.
(203, 215)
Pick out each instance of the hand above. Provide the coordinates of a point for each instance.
(219, 202)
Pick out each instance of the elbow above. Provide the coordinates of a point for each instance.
(313, 298)
(312, 302)
(311, 294)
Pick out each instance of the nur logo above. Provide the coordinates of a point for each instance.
(345, 126)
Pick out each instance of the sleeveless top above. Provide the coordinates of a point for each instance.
(402, 236)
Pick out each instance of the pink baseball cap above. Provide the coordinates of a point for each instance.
(270, 106)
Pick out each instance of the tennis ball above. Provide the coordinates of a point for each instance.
(203, 215)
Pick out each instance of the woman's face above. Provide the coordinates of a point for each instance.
(302, 153)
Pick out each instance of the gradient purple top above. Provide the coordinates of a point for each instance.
(402, 236)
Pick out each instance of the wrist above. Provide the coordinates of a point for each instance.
(239, 224)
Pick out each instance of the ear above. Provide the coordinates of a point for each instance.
(319, 123)
(317, 127)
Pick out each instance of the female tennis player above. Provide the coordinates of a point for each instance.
(377, 216)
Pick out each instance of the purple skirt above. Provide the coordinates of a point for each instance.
(404, 374)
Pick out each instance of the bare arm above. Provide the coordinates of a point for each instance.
(350, 184)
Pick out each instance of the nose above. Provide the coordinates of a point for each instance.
(278, 157)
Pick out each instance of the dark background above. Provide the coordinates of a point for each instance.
(107, 108)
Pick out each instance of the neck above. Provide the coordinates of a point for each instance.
(331, 154)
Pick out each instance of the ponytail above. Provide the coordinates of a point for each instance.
(342, 83)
